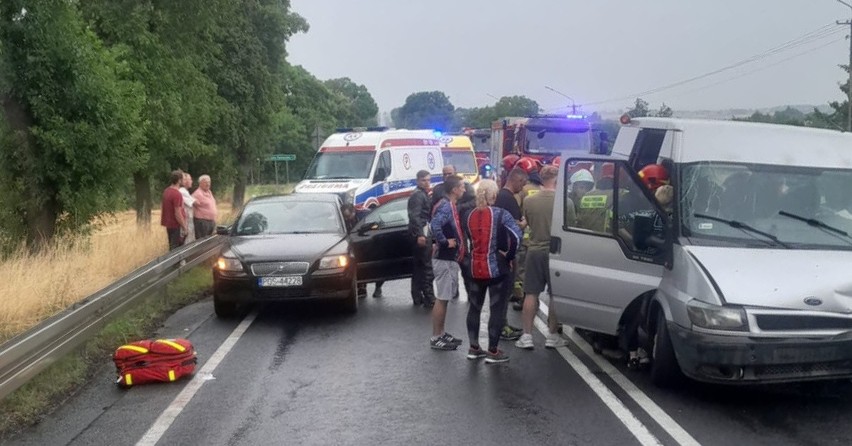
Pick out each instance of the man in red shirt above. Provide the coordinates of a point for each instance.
(172, 214)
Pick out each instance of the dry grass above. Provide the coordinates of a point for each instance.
(38, 286)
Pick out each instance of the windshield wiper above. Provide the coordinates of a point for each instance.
(816, 223)
(742, 226)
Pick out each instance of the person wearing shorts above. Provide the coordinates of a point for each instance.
(449, 238)
(538, 212)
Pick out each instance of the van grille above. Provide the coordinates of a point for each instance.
(814, 369)
(279, 268)
(776, 322)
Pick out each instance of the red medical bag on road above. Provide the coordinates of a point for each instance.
(160, 360)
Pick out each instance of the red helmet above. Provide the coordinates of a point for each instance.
(529, 165)
(509, 161)
(654, 176)
(608, 170)
(556, 161)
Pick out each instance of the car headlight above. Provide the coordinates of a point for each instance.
(229, 264)
(333, 262)
(716, 317)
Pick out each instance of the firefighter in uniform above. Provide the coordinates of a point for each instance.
(532, 167)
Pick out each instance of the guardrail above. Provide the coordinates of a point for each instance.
(25, 355)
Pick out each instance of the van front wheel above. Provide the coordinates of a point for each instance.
(665, 372)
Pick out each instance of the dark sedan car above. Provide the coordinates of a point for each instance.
(292, 247)
(295, 247)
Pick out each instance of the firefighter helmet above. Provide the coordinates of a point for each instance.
(529, 165)
(509, 161)
(654, 176)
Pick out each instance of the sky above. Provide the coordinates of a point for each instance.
(601, 53)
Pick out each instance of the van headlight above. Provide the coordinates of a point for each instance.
(715, 317)
(333, 262)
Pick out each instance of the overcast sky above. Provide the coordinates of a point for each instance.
(592, 50)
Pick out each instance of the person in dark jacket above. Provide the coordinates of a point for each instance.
(449, 237)
(464, 205)
(419, 216)
(490, 269)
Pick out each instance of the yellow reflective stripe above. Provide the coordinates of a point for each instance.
(532, 192)
(171, 375)
(593, 202)
(128, 379)
(173, 345)
(134, 348)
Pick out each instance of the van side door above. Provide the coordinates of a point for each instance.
(611, 253)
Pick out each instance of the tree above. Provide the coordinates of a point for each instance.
(639, 110)
(72, 121)
(358, 104)
(249, 38)
(482, 117)
(839, 118)
(426, 110)
(664, 112)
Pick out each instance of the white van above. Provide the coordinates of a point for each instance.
(370, 168)
(747, 280)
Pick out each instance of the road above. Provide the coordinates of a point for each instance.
(306, 375)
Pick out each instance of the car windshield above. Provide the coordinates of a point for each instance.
(481, 144)
(290, 217)
(554, 142)
(340, 166)
(803, 207)
(464, 161)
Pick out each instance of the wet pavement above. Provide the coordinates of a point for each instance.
(306, 374)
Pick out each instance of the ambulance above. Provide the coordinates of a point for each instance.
(372, 166)
(457, 150)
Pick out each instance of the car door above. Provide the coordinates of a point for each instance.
(381, 243)
(596, 272)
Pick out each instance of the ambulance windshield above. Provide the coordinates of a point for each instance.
(554, 142)
(340, 166)
(462, 160)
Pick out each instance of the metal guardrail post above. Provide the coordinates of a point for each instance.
(27, 354)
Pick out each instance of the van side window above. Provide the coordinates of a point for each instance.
(383, 168)
(636, 217)
(589, 197)
(647, 148)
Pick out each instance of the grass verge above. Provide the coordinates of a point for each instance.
(54, 385)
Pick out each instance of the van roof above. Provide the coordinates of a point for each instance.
(372, 140)
(456, 142)
(757, 143)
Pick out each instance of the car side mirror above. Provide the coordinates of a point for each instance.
(222, 230)
(367, 228)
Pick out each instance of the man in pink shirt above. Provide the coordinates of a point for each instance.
(205, 208)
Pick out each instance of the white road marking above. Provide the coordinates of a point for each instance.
(642, 434)
(165, 420)
(649, 406)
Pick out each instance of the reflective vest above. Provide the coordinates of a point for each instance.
(594, 211)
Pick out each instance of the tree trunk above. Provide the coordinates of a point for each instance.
(41, 222)
(243, 168)
(142, 183)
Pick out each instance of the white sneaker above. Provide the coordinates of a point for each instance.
(525, 342)
(555, 340)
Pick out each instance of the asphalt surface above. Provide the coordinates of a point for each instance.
(305, 374)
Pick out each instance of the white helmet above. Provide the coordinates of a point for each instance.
(582, 175)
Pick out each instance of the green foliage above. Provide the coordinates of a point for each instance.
(426, 110)
(482, 117)
(74, 122)
(357, 106)
(641, 109)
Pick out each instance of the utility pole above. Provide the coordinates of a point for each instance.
(848, 69)
(573, 104)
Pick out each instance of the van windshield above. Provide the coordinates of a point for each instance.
(802, 207)
(462, 160)
(340, 166)
(554, 142)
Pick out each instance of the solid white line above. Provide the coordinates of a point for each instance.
(168, 416)
(655, 411)
(642, 434)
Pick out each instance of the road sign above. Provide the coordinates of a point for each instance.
(282, 157)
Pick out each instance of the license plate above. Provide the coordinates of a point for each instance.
(280, 281)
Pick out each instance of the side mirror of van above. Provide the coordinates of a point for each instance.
(222, 230)
(381, 174)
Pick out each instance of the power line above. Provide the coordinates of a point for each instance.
(812, 36)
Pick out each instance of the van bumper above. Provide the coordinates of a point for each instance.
(747, 360)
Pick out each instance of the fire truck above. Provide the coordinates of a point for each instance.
(541, 137)
(481, 139)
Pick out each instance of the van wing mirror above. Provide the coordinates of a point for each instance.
(222, 230)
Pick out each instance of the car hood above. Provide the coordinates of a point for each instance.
(301, 247)
(774, 278)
